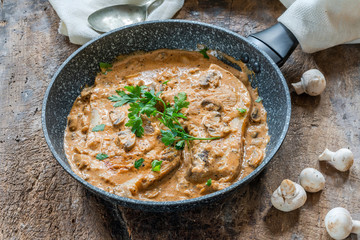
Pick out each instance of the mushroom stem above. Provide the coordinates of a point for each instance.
(356, 227)
(299, 87)
(327, 155)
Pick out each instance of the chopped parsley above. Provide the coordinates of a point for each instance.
(105, 67)
(203, 52)
(138, 163)
(259, 99)
(241, 110)
(156, 165)
(165, 82)
(101, 156)
(146, 102)
(98, 128)
(208, 182)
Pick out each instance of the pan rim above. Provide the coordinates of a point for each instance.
(166, 206)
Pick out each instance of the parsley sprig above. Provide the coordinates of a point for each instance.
(145, 102)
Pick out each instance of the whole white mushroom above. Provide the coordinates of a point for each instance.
(288, 196)
(312, 180)
(312, 82)
(342, 159)
(339, 224)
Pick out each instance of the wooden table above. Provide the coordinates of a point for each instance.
(39, 200)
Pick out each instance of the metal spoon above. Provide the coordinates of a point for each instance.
(109, 18)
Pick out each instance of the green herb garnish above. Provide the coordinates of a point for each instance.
(165, 82)
(203, 52)
(156, 165)
(138, 163)
(208, 182)
(98, 128)
(105, 66)
(101, 156)
(259, 99)
(241, 110)
(145, 102)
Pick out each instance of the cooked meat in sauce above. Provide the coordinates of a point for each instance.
(222, 106)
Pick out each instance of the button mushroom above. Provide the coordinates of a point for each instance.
(288, 196)
(342, 159)
(339, 224)
(312, 82)
(312, 180)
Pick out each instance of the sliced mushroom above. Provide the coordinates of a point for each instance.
(255, 115)
(161, 56)
(203, 156)
(214, 126)
(117, 118)
(85, 123)
(211, 119)
(211, 105)
(169, 154)
(194, 70)
(254, 134)
(200, 163)
(82, 161)
(211, 122)
(94, 144)
(86, 94)
(210, 77)
(72, 123)
(148, 128)
(255, 156)
(127, 140)
(153, 193)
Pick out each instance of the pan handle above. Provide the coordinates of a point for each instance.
(277, 41)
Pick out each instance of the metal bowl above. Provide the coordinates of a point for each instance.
(81, 68)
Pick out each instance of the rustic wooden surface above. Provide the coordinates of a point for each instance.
(38, 200)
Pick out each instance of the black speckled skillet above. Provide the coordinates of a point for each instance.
(81, 68)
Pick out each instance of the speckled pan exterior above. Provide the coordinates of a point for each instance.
(81, 68)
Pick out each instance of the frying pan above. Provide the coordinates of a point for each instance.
(261, 52)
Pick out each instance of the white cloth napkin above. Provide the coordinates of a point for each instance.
(74, 14)
(320, 24)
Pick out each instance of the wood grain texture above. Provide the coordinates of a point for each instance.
(38, 200)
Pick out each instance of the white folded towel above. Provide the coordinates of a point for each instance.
(321, 24)
(74, 14)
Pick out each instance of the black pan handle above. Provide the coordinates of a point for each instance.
(277, 41)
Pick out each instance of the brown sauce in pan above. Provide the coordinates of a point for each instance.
(215, 92)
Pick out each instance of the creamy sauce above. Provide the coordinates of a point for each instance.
(215, 92)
